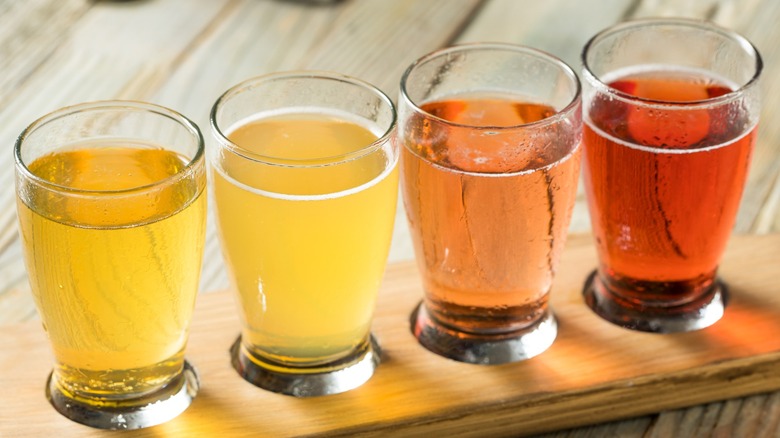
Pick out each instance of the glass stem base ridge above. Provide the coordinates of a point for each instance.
(333, 378)
(146, 411)
(701, 312)
(484, 349)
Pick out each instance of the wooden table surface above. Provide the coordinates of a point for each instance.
(184, 53)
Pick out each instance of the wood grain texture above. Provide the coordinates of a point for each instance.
(760, 210)
(593, 373)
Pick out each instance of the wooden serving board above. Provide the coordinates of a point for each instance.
(594, 372)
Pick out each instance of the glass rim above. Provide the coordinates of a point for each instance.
(302, 162)
(563, 113)
(679, 22)
(133, 105)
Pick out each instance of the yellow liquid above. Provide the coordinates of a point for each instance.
(306, 247)
(114, 278)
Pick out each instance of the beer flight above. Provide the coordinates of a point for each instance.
(486, 143)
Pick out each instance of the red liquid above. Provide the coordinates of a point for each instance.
(662, 219)
(487, 243)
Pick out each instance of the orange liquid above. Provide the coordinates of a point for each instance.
(487, 243)
(662, 219)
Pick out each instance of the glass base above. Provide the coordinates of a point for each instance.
(694, 315)
(484, 349)
(332, 378)
(150, 410)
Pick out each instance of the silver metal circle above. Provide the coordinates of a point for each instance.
(485, 349)
(334, 378)
(150, 410)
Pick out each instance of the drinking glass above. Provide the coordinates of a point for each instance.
(305, 183)
(491, 157)
(112, 216)
(671, 109)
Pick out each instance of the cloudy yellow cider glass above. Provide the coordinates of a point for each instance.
(305, 187)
